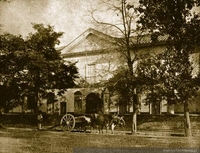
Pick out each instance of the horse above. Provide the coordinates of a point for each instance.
(117, 121)
(99, 121)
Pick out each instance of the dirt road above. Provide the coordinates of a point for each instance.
(33, 141)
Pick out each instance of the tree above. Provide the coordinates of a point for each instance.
(33, 67)
(47, 71)
(119, 85)
(177, 20)
(125, 15)
(150, 73)
(11, 47)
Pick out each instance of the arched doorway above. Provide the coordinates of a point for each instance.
(93, 103)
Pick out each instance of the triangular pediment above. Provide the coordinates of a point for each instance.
(90, 40)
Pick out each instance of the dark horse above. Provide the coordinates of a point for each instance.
(100, 121)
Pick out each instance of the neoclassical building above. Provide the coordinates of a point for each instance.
(97, 57)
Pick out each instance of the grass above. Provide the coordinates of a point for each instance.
(33, 141)
(167, 125)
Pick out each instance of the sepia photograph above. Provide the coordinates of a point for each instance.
(99, 76)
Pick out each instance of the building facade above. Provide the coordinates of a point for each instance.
(97, 57)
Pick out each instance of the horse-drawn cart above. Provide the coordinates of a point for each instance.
(69, 122)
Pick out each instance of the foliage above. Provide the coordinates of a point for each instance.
(33, 67)
(10, 66)
(119, 84)
(150, 72)
(175, 19)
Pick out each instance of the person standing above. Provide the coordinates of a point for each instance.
(40, 120)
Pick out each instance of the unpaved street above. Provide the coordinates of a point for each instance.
(33, 141)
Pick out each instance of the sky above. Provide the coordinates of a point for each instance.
(68, 16)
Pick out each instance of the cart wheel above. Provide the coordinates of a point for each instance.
(67, 122)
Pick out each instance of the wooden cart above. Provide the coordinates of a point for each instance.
(68, 122)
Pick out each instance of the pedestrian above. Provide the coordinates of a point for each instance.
(40, 120)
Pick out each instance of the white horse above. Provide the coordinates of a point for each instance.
(117, 121)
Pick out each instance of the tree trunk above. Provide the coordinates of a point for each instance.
(187, 124)
(134, 123)
(135, 112)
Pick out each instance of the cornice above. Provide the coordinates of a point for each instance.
(86, 53)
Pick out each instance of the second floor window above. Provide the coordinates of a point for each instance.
(91, 73)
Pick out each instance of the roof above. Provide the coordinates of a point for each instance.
(147, 39)
(84, 36)
(111, 41)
